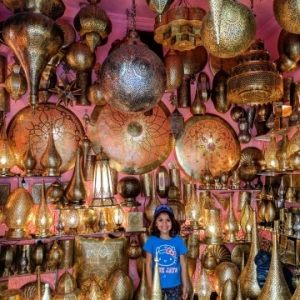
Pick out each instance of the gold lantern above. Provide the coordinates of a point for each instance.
(179, 28)
(254, 80)
(103, 187)
(7, 159)
(213, 228)
(236, 33)
(18, 212)
(43, 218)
(72, 220)
(270, 154)
(41, 39)
(118, 217)
(93, 25)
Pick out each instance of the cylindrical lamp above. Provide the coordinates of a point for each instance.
(103, 190)
(118, 217)
(72, 220)
(213, 226)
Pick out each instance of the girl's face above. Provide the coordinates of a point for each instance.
(163, 223)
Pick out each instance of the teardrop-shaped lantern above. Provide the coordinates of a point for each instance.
(18, 212)
(159, 6)
(132, 77)
(93, 25)
(53, 9)
(237, 30)
(34, 39)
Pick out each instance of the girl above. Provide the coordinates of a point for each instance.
(171, 250)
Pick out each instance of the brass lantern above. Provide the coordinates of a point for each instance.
(235, 34)
(93, 25)
(132, 77)
(103, 187)
(18, 212)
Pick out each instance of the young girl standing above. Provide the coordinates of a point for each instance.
(171, 249)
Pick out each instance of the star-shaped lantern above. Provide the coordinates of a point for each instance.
(66, 90)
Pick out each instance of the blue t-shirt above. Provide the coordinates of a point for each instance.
(169, 252)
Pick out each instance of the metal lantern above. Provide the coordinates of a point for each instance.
(132, 77)
(236, 32)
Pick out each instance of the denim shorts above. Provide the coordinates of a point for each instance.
(173, 293)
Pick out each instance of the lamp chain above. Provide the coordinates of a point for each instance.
(133, 15)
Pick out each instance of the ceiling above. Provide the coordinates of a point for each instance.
(145, 17)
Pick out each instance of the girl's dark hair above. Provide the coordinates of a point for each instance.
(175, 226)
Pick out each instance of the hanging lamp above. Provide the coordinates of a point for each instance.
(132, 77)
(254, 80)
(179, 27)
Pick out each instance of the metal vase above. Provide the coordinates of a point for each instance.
(51, 159)
(34, 39)
(248, 277)
(141, 292)
(275, 286)
(77, 191)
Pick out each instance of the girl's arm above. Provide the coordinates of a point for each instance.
(149, 275)
(184, 279)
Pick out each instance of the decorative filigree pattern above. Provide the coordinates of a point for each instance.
(68, 132)
(207, 138)
(134, 143)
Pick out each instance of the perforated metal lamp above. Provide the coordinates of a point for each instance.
(7, 158)
(103, 191)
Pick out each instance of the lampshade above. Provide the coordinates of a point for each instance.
(43, 218)
(7, 158)
(213, 226)
(103, 190)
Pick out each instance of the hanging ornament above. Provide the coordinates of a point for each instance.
(236, 33)
(92, 24)
(34, 39)
(65, 88)
(16, 83)
(159, 6)
(133, 78)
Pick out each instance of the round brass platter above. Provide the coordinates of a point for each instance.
(207, 138)
(134, 143)
(67, 127)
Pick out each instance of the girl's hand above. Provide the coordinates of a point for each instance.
(184, 293)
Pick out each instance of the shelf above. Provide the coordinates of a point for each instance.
(32, 240)
(282, 131)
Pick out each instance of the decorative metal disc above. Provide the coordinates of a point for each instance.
(68, 133)
(207, 138)
(135, 143)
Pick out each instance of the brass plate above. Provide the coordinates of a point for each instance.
(207, 138)
(68, 133)
(216, 64)
(134, 143)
